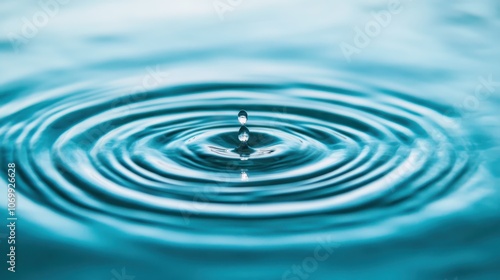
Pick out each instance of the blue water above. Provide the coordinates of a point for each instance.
(372, 150)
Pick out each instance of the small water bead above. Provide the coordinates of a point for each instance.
(242, 117)
(244, 134)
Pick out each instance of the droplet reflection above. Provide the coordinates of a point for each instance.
(244, 134)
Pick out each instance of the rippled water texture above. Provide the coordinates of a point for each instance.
(364, 154)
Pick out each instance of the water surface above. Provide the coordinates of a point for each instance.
(377, 145)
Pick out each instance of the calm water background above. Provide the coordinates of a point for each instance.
(374, 131)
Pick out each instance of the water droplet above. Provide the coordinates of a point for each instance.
(242, 117)
(244, 134)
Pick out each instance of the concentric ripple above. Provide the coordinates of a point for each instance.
(171, 157)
